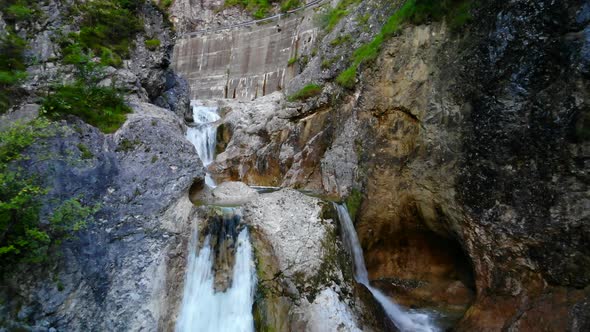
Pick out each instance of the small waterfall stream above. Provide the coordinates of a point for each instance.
(204, 309)
(406, 321)
(204, 135)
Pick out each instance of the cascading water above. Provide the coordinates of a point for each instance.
(203, 308)
(204, 135)
(406, 321)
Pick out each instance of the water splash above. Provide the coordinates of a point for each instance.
(204, 136)
(406, 321)
(205, 310)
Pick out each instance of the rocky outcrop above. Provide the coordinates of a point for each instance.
(112, 276)
(123, 271)
(469, 153)
(304, 279)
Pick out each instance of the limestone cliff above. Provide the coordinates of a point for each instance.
(468, 152)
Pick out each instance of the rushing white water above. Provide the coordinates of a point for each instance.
(203, 309)
(406, 321)
(204, 135)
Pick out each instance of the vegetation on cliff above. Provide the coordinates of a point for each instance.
(306, 92)
(456, 12)
(24, 236)
(107, 29)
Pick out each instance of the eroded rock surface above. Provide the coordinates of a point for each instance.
(304, 280)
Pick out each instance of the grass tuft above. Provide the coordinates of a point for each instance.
(306, 92)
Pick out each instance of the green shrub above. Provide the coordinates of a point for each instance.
(23, 237)
(12, 68)
(306, 92)
(107, 28)
(19, 12)
(287, 5)
(353, 203)
(102, 107)
(152, 44)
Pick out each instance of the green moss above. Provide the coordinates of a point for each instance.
(353, 202)
(154, 158)
(306, 92)
(292, 61)
(85, 153)
(152, 44)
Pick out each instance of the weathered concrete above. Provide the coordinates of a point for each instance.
(247, 62)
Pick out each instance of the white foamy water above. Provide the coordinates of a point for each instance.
(204, 135)
(204, 310)
(406, 321)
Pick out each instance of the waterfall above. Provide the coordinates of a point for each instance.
(204, 135)
(203, 308)
(406, 321)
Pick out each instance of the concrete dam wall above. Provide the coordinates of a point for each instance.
(245, 61)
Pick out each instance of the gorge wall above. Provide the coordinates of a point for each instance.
(246, 61)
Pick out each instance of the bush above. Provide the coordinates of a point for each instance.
(287, 5)
(152, 44)
(23, 237)
(12, 68)
(18, 10)
(306, 92)
(107, 28)
(102, 107)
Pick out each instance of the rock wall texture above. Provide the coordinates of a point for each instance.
(244, 62)
(121, 273)
(469, 152)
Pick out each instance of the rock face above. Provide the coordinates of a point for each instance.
(304, 280)
(124, 272)
(469, 151)
(114, 276)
